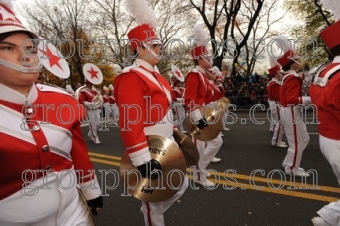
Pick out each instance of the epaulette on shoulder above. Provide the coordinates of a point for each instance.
(47, 88)
(128, 69)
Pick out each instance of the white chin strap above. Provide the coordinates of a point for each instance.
(151, 51)
(297, 62)
(208, 62)
(28, 70)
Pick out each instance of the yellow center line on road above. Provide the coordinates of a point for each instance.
(227, 184)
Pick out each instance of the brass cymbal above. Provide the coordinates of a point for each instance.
(223, 103)
(188, 148)
(214, 116)
(172, 161)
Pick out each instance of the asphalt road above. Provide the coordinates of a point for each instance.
(255, 194)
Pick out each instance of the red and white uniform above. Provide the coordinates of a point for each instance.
(114, 109)
(296, 131)
(273, 90)
(43, 148)
(328, 104)
(197, 93)
(212, 146)
(86, 97)
(106, 106)
(178, 101)
(145, 111)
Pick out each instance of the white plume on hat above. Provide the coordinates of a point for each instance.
(333, 6)
(282, 43)
(143, 13)
(200, 35)
(272, 62)
(110, 87)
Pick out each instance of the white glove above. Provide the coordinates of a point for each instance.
(196, 115)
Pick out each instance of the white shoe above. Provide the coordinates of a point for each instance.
(226, 129)
(221, 134)
(207, 174)
(96, 141)
(280, 145)
(205, 183)
(318, 221)
(215, 160)
(300, 172)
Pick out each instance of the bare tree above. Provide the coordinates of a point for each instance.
(62, 22)
(260, 32)
(227, 12)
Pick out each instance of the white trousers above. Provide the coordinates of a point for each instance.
(180, 116)
(297, 137)
(59, 205)
(115, 112)
(207, 151)
(108, 111)
(153, 211)
(331, 150)
(94, 122)
(278, 125)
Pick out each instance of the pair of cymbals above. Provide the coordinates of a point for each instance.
(213, 116)
(172, 177)
(222, 103)
(187, 147)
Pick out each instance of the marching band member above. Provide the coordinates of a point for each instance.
(274, 104)
(219, 83)
(214, 94)
(113, 105)
(177, 94)
(325, 95)
(106, 110)
(195, 97)
(290, 99)
(44, 158)
(136, 89)
(89, 97)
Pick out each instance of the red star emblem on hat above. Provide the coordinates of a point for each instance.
(93, 73)
(53, 59)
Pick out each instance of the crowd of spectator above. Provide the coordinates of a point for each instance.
(246, 90)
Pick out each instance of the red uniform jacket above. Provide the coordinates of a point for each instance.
(56, 144)
(142, 103)
(273, 89)
(176, 93)
(87, 94)
(290, 90)
(105, 99)
(111, 99)
(196, 89)
(327, 100)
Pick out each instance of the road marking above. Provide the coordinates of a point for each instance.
(298, 192)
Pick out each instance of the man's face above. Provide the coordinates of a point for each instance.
(148, 52)
(14, 49)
